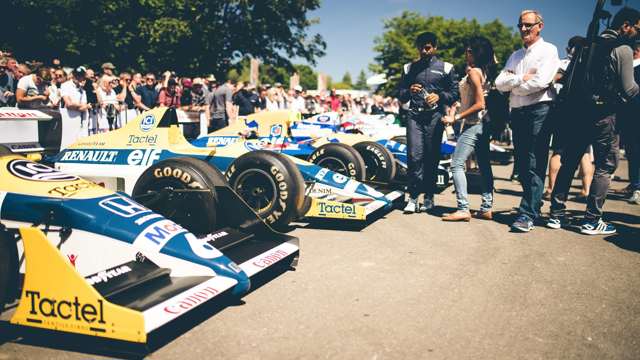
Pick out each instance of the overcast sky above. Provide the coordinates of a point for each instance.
(349, 26)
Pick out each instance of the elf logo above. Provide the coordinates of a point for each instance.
(143, 157)
(64, 309)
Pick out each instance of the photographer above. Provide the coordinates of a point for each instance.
(613, 87)
(429, 84)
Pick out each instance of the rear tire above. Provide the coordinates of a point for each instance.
(340, 158)
(379, 162)
(270, 184)
(8, 269)
(194, 210)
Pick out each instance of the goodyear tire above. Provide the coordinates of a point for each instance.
(270, 184)
(8, 269)
(183, 190)
(340, 158)
(402, 139)
(379, 162)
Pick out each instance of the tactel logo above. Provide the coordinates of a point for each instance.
(346, 209)
(29, 170)
(65, 309)
(147, 122)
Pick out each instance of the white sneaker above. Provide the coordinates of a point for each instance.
(635, 197)
(412, 206)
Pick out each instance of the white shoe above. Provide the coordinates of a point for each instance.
(412, 206)
(635, 198)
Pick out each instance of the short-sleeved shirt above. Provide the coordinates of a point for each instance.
(148, 96)
(30, 88)
(167, 99)
(199, 99)
(77, 94)
(218, 100)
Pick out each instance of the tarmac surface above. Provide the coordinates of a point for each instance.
(412, 286)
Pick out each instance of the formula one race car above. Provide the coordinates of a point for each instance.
(315, 139)
(140, 160)
(82, 259)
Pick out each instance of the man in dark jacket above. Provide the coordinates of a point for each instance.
(614, 66)
(429, 84)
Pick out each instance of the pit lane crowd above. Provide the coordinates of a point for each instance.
(433, 99)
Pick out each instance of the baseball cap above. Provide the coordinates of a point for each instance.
(197, 81)
(186, 83)
(108, 65)
(297, 88)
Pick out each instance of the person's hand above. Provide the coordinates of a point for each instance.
(432, 99)
(8, 93)
(42, 97)
(448, 119)
(415, 88)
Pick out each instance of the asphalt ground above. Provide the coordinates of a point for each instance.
(412, 286)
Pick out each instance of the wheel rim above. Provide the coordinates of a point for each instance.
(257, 188)
(334, 164)
(372, 165)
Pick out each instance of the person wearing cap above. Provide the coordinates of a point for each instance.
(74, 107)
(297, 100)
(199, 95)
(107, 69)
(170, 95)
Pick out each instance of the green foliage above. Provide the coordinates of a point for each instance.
(341, 86)
(191, 37)
(346, 78)
(308, 77)
(395, 47)
(361, 83)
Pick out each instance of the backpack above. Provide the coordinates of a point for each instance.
(497, 105)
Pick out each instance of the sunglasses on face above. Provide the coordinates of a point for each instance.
(526, 26)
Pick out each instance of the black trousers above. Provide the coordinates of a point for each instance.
(601, 134)
(424, 136)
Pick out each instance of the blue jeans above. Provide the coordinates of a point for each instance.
(531, 136)
(473, 138)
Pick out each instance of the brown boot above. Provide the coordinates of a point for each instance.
(457, 216)
(483, 215)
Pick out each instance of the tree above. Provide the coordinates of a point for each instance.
(346, 78)
(395, 47)
(361, 83)
(190, 37)
(308, 77)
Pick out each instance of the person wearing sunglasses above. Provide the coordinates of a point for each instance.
(528, 76)
(148, 93)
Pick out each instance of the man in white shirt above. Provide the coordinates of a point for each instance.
(528, 75)
(297, 101)
(73, 108)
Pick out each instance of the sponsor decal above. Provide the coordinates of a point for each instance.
(222, 140)
(252, 124)
(147, 123)
(252, 145)
(270, 258)
(283, 195)
(179, 174)
(276, 130)
(72, 259)
(323, 118)
(143, 157)
(191, 300)
(122, 206)
(106, 275)
(211, 238)
(156, 235)
(42, 306)
(203, 247)
(339, 178)
(29, 170)
(378, 153)
(337, 209)
(23, 114)
(72, 189)
(146, 139)
(101, 156)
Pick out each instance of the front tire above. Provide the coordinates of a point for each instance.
(182, 190)
(270, 184)
(340, 158)
(379, 162)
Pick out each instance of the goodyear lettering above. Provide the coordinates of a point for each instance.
(191, 301)
(270, 259)
(346, 209)
(146, 139)
(143, 157)
(101, 156)
(63, 309)
(105, 276)
(179, 174)
(71, 189)
(283, 195)
(379, 155)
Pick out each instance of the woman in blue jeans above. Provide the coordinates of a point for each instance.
(474, 137)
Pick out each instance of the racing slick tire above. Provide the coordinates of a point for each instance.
(183, 190)
(8, 269)
(379, 162)
(340, 158)
(402, 139)
(270, 184)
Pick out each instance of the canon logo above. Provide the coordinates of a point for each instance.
(191, 301)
